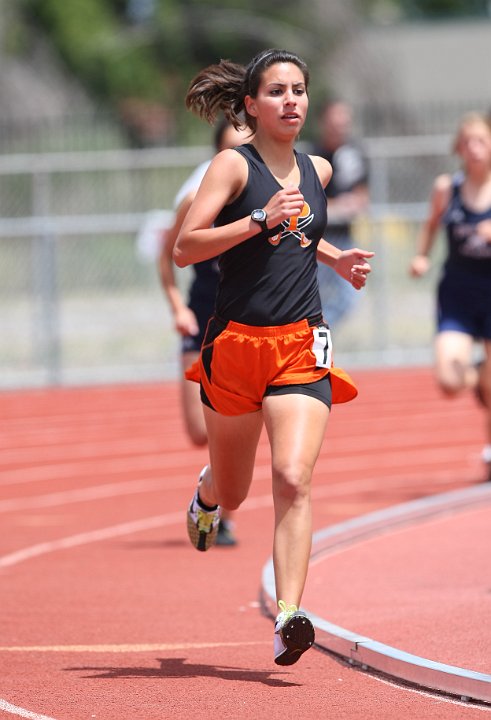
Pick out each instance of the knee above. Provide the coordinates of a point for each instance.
(292, 483)
(229, 500)
(449, 386)
(451, 380)
(452, 376)
(199, 438)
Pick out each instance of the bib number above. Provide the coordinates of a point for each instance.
(322, 347)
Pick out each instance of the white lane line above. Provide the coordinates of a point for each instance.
(21, 712)
(96, 492)
(85, 467)
(126, 528)
(341, 462)
(427, 693)
(82, 449)
(90, 536)
(126, 648)
(373, 655)
(324, 491)
(130, 487)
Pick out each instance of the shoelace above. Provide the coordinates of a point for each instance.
(205, 520)
(286, 611)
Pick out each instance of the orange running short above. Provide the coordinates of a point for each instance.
(239, 362)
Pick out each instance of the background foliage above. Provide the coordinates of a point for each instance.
(138, 56)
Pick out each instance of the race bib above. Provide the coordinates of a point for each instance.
(322, 347)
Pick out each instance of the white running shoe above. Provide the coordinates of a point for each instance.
(293, 634)
(202, 524)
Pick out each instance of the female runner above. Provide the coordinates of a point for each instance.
(266, 356)
(462, 204)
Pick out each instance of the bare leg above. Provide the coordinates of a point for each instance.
(296, 427)
(456, 372)
(194, 417)
(232, 443)
(454, 369)
(191, 404)
(485, 388)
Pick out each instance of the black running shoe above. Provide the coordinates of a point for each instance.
(293, 634)
(225, 535)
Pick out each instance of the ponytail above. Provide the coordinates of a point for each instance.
(223, 87)
(217, 88)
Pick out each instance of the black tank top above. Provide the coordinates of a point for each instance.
(271, 278)
(203, 288)
(467, 250)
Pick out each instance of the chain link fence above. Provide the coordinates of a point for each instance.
(81, 300)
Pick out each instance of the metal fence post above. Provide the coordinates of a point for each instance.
(46, 331)
(379, 195)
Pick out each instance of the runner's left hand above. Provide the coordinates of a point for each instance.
(352, 265)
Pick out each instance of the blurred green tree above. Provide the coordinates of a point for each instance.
(138, 56)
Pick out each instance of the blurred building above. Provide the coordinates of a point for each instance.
(411, 70)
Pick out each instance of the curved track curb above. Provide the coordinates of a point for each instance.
(363, 651)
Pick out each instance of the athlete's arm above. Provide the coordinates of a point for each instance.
(440, 197)
(224, 181)
(352, 265)
(166, 264)
(326, 253)
(349, 264)
(483, 228)
(323, 168)
(184, 319)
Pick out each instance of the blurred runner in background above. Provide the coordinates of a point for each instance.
(348, 198)
(462, 204)
(191, 315)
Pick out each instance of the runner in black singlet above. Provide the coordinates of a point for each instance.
(266, 356)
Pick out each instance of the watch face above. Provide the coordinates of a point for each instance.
(259, 215)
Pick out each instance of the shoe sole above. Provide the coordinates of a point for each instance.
(201, 540)
(298, 635)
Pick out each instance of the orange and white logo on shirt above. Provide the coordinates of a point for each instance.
(295, 227)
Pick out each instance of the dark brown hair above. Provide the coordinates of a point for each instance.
(223, 87)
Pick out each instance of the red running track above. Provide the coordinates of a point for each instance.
(108, 613)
